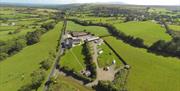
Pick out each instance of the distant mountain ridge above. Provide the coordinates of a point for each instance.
(75, 5)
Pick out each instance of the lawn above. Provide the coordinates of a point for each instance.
(99, 31)
(148, 72)
(149, 31)
(174, 27)
(68, 84)
(74, 59)
(26, 61)
(106, 58)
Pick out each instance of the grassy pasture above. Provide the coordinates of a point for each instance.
(99, 31)
(107, 57)
(157, 10)
(26, 61)
(74, 59)
(148, 72)
(8, 28)
(148, 31)
(68, 84)
(23, 26)
(111, 20)
(174, 27)
(5, 36)
(15, 15)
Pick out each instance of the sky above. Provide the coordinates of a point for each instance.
(137, 2)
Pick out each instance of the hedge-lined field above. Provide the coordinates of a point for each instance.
(149, 31)
(20, 28)
(16, 22)
(148, 72)
(110, 20)
(99, 31)
(27, 61)
(174, 27)
(73, 59)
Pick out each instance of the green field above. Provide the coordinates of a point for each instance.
(110, 20)
(107, 57)
(68, 84)
(17, 22)
(148, 72)
(148, 31)
(174, 27)
(73, 59)
(99, 31)
(163, 11)
(27, 61)
(23, 26)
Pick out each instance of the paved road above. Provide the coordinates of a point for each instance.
(58, 55)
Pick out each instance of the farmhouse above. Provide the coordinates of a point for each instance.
(68, 43)
(92, 38)
(76, 38)
(76, 41)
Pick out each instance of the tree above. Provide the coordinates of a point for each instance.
(159, 45)
(26, 87)
(16, 45)
(3, 56)
(138, 42)
(37, 78)
(106, 86)
(33, 37)
(46, 64)
(48, 26)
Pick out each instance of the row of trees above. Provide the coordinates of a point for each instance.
(87, 49)
(170, 48)
(10, 47)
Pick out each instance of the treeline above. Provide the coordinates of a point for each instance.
(167, 48)
(91, 66)
(137, 42)
(168, 18)
(11, 47)
(38, 76)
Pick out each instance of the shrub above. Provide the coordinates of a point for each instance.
(48, 26)
(15, 46)
(33, 37)
(46, 64)
(26, 87)
(3, 56)
(105, 86)
(38, 77)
